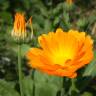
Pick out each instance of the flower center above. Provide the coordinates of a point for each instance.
(61, 56)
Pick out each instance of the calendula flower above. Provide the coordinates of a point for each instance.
(61, 53)
(69, 1)
(19, 29)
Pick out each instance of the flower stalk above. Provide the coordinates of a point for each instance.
(63, 89)
(20, 34)
(20, 70)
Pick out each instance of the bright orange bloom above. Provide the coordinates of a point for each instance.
(61, 53)
(69, 1)
(19, 30)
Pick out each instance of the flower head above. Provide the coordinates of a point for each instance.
(69, 1)
(19, 29)
(61, 53)
(20, 24)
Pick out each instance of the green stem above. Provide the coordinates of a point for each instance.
(20, 70)
(62, 89)
(33, 72)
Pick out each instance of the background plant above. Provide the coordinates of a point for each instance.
(47, 15)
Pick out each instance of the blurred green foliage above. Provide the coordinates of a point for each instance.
(47, 15)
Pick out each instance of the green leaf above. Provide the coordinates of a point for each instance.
(82, 22)
(91, 68)
(42, 77)
(41, 84)
(6, 16)
(56, 21)
(68, 7)
(28, 86)
(45, 89)
(24, 49)
(73, 88)
(53, 84)
(65, 22)
(92, 18)
(58, 9)
(86, 94)
(47, 26)
(6, 89)
(5, 4)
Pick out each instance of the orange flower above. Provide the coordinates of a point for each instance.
(69, 1)
(61, 53)
(19, 29)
